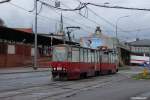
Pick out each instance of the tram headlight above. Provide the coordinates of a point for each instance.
(54, 68)
(64, 69)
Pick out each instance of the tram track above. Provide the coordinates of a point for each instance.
(73, 92)
(22, 77)
(67, 86)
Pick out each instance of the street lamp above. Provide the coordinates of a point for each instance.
(35, 37)
(117, 40)
(117, 26)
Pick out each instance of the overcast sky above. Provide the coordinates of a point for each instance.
(137, 22)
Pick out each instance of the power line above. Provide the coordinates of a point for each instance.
(110, 23)
(30, 12)
(18, 6)
(116, 7)
(63, 9)
(87, 18)
(68, 18)
(84, 5)
(42, 16)
(74, 21)
(4, 1)
(80, 16)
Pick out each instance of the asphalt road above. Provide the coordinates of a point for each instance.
(39, 86)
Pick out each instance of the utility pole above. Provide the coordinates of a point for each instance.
(35, 38)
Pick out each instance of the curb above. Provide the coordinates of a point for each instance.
(17, 72)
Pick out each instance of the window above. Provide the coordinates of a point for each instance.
(3, 48)
(85, 55)
(69, 56)
(89, 55)
(95, 56)
(81, 55)
(59, 54)
(92, 56)
(75, 54)
(104, 58)
(11, 49)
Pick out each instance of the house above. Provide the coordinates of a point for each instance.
(17, 48)
(140, 51)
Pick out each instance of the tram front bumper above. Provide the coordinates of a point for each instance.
(59, 74)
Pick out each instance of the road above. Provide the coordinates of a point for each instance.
(39, 86)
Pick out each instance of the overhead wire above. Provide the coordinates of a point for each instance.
(28, 11)
(68, 18)
(5, 1)
(86, 18)
(84, 5)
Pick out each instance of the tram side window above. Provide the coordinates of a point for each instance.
(69, 56)
(81, 55)
(92, 56)
(75, 54)
(59, 54)
(95, 53)
(104, 58)
(98, 56)
(85, 55)
(110, 57)
(113, 58)
(89, 55)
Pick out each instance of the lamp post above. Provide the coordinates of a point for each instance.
(117, 40)
(35, 38)
(117, 26)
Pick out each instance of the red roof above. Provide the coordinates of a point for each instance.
(28, 30)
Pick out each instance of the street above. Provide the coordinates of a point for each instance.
(39, 86)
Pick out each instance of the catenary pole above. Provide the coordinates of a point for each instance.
(35, 38)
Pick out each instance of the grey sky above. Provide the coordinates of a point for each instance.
(15, 17)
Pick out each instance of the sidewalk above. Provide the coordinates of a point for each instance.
(22, 70)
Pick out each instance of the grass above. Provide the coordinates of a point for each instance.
(141, 76)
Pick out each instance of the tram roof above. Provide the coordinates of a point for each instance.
(11, 34)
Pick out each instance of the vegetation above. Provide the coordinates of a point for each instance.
(144, 75)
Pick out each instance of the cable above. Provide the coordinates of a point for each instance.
(87, 18)
(63, 9)
(117, 7)
(32, 13)
(74, 20)
(84, 5)
(110, 23)
(4, 1)
(18, 6)
(80, 16)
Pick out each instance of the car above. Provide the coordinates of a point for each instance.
(145, 64)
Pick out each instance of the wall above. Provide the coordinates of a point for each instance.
(19, 55)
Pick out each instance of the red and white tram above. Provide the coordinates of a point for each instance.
(75, 62)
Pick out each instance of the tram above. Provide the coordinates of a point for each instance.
(71, 62)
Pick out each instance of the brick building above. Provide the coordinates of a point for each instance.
(17, 48)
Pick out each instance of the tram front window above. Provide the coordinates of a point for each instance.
(59, 54)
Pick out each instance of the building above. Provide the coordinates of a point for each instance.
(140, 51)
(17, 48)
(98, 39)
